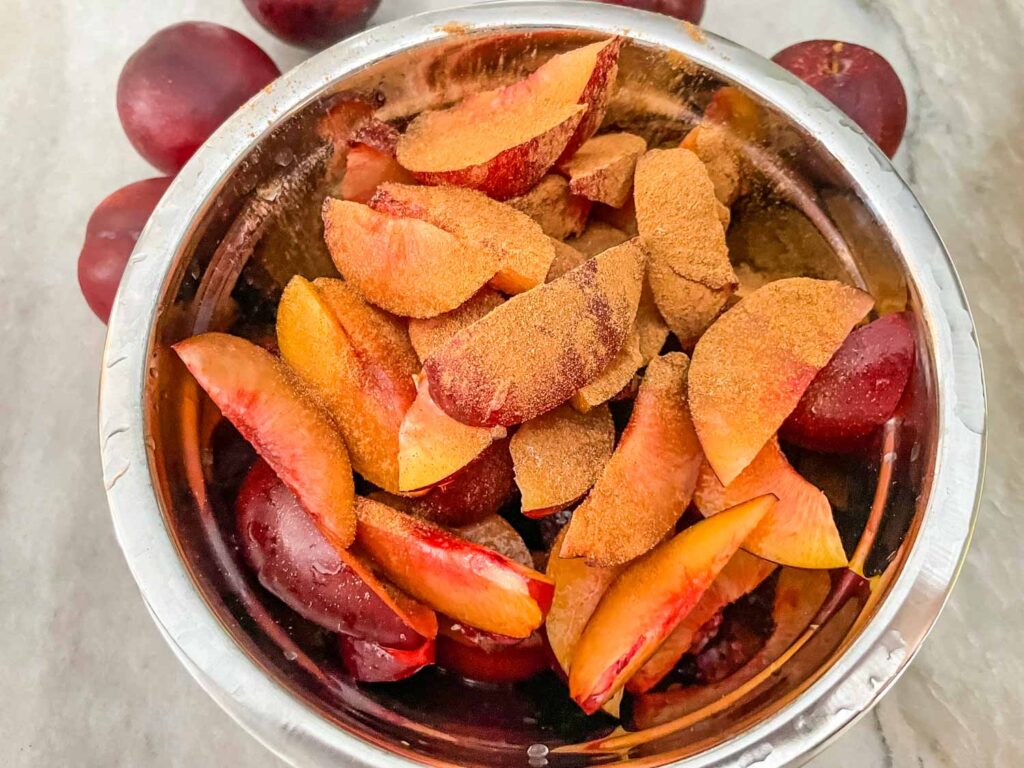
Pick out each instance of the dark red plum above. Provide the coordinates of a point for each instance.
(687, 10)
(110, 237)
(312, 24)
(182, 84)
(857, 80)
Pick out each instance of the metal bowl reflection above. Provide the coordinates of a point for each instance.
(242, 218)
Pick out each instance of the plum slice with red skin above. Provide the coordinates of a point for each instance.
(502, 142)
(371, 662)
(259, 395)
(507, 663)
(470, 583)
(537, 349)
(857, 391)
(293, 561)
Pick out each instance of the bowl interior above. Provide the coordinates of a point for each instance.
(801, 214)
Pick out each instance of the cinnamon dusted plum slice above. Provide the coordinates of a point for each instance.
(578, 590)
(338, 591)
(597, 238)
(719, 150)
(358, 361)
(798, 596)
(551, 204)
(470, 583)
(406, 266)
(534, 351)
(648, 482)
(613, 378)
(371, 662)
(502, 142)
(602, 169)
(431, 333)
(649, 599)
(504, 664)
(259, 395)
(566, 260)
(433, 446)
(523, 250)
(743, 574)
(859, 389)
(678, 216)
(753, 365)
(559, 455)
(366, 168)
(800, 530)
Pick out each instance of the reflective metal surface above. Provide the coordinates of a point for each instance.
(242, 217)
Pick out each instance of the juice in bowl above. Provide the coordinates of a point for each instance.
(550, 394)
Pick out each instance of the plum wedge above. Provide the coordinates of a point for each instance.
(552, 204)
(463, 580)
(358, 361)
(557, 457)
(538, 348)
(502, 142)
(753, 365)
(648, 483)
(432, 333)
(800, 530)
(406, 266)
(259, 395)
(523, 250)
(337, 590)
(649, 599)
(366, 168)
(602, 169)
(475, 492)
(859, 389)
(614, 377)
(578, 590)
(432, 446)
(679, 220)
(742, 575)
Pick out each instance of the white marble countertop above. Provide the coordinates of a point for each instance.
(86, 679)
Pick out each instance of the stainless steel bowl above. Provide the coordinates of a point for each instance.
(241, 218)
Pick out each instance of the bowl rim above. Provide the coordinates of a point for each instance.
(868, 667)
